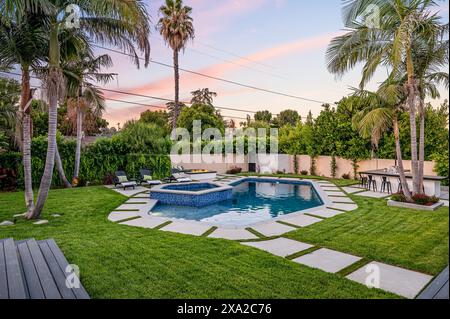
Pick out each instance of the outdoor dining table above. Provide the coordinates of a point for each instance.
(432, 184)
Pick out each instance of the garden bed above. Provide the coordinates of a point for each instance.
(431, 208)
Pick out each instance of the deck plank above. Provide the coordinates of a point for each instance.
(58, 274)
(16, 285)
(80, 293)
(45, 276)
(32, 281)
(3, 277)
(438, 288)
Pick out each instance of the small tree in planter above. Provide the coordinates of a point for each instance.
(333, 165)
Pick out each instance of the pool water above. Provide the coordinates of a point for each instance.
(253, 201)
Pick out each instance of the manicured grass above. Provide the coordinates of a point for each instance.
(126, 262)
(408, 238)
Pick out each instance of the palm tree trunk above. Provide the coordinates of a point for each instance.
(401, 170)
(421, 144)
(26, 149)
(177, 88)
(60, 168)
(76, 171)
(411, 100)
(54, 78)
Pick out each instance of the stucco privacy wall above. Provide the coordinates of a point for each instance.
(323, 165)
(285, 163)
(218, 165)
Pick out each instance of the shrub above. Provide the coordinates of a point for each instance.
(425, 200)
(333, 167)
(346, 176)
(441, 166)
(235, 170)
(304, 172)
(398, 198)
(313, 166)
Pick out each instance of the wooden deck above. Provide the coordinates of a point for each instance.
(31, 269)
(438, 289)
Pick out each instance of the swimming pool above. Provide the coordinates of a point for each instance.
(253, 201)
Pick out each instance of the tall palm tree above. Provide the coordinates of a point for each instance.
(203, 96)
(83, 94)
(122, 23)
(23, 42)
(177, 29)
(391, 45)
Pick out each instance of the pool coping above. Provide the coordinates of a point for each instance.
(219, 188)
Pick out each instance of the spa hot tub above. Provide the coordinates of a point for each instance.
(191, 194)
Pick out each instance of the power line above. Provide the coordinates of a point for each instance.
(219, 79)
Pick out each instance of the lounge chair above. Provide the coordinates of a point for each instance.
(121, 179)
(179, 177)
(147, 179)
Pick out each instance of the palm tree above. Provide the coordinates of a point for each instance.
(391, 45)
(177, 29)
(203, 96)
(23, 42)
(122, 23)
(83, 94)
(381, 113)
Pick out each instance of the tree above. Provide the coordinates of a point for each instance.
(402, 23)
(121, 23)
(23, 43)
(200, 112)
(203, 96)
(287, 117)
(83, 95)
(176, 27)
(160, 118)
(263, 116)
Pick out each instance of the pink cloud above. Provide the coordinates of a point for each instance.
(189, 82)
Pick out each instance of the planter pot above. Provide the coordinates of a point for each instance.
(415, 206)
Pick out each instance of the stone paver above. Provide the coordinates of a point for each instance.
(125, 207)
(134, 200)
(118, 216)
(272, 229)
(330, 188)
(345, 207)
(327, 260)
(339, 199)
(187, 227)
(373, 194)
(397, 280)
(352, 190)
(129, 191)
(324, 182)
(327, 213)
(301, 220)
(146, 222)
(233, 234)
(282, 247)
(335, 194)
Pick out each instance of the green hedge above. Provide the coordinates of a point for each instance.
(98, 163)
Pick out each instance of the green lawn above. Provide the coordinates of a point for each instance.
(125, 262)
(411, 239)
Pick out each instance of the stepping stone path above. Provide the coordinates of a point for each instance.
(352, 190)
(282, 247)
(6, 223)
(187, 227)
(119, 216)
(373, 194)
(327, 260)
(337, 199)
(345, 207)
(302, 220)
(272, 228)
(327, 213)
(41, 222)
(146, 222)
(397, 280)
(233, 234)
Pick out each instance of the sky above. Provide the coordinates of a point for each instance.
(278, 45)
